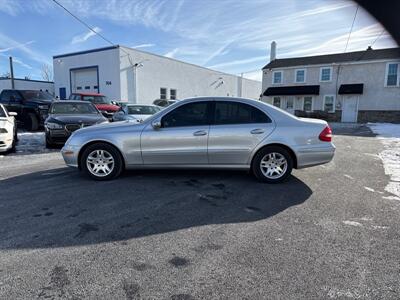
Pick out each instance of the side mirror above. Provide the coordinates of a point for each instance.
(156, 124)
(12, 114)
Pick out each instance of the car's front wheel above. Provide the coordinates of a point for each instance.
(272, 164)
(101, 161)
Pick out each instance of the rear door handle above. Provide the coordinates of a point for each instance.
(257, 131)
(199, 133)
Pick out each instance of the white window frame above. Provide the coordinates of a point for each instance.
(295, 75)
(176, 94)
(387, 74)
(333, 104)
(166, 93)
(273, 77)
(330, 77)
(312, 104)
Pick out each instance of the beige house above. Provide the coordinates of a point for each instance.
(362, 86)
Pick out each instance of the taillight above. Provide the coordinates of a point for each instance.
(326, 134)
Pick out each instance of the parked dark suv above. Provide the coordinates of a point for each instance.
(32, 106)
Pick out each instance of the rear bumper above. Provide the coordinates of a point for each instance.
(315, 155)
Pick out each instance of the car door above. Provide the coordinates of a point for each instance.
(181, 138)
(237, 129)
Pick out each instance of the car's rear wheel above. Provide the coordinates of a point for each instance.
(101, 161)
(31, 122)
(272, 164)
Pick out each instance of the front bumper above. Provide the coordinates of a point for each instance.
(70, 155)
(57, 136)
(6, 142)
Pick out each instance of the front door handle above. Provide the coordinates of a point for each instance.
(199, 133)
(257, 131)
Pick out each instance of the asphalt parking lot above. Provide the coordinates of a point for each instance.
(329, 232)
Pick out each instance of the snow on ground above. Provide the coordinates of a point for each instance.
(389, 134)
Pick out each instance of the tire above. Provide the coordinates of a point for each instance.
(99, 154)
(49, 145)
(31, 122)
(277, 164)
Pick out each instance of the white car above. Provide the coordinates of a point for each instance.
(136, 112)
(8, 129)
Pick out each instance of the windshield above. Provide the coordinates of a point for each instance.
(142, 110)
(73, 108)
(97, 99)
(32, 94)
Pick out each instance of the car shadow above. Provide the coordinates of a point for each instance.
(60, 207)
(360, 130)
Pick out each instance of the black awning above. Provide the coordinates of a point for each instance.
(351, 89)
(292, 90)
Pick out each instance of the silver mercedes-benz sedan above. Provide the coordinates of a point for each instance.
(204, 132)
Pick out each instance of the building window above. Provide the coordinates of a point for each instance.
(307, 103)
(95, 87)
(172, 94)
(300, 76)
(87, 87)
(326, 74)
(329, 103)
(277, 77)
(277, 102)
(163, 93)
(78, 87)
(392, 74)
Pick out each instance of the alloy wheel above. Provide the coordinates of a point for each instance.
(273, 165)
(100, 163)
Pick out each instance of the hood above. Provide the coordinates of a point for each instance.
(39, 101)
(110, 126)
(108, 107)
(78, 119)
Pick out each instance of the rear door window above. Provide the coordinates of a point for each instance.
(227, 112)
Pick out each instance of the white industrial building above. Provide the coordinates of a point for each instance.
(136, 76)
(27, 84)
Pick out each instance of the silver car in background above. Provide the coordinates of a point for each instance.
(135, 112)
(204, 132)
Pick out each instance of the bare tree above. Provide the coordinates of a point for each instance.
(47, 72)
(5, 75)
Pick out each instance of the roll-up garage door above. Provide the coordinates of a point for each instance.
(84, 80)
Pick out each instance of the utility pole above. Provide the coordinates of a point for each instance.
(12, 73)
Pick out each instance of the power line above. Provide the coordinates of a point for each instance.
(377, 38)
(351, 28)
(83, 22)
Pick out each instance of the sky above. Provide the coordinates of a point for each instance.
(232, 36)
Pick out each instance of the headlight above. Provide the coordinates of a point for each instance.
(43, 107)
(54, 126)
(3, 130)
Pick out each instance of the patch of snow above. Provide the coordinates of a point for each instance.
(379, 227)
(369, 189)
(31, 143)
(334, 293)
(366, 219)
(348, 176)
(352, 223)
(391, 198)
(389, 134)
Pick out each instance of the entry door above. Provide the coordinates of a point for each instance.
(350, 109)
(182, 138)
(237, 129)
(289, 105)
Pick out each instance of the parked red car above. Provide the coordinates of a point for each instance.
(99, 100)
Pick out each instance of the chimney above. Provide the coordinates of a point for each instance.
(273, 51)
